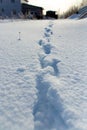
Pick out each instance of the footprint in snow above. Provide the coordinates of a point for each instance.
(47, 48)
(41, 42)
(54, 64)
(46, 61)
(21, 69)
(48, 32)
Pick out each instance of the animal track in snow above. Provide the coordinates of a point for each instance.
(50, 61)
(41, 42)
(21, 69)
(47, 113)
(48, 32)
(47, 48)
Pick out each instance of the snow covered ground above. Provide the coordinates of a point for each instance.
(43, 75)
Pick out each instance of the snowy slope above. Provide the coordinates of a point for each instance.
(43, 75)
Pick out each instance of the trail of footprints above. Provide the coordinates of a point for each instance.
(47, 110)
(47, 59)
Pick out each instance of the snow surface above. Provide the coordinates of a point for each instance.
(43, 75)
(74, 16)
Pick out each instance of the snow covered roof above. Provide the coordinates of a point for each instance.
(82, 13)
(83, 10)
(31, 6)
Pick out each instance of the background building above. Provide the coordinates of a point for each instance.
(51, 14)
(32, 11)
(19, 8)
(9, 8)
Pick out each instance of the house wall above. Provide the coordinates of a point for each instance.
(35, 11)
(9, 8)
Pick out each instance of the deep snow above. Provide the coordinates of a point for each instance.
(43, 75)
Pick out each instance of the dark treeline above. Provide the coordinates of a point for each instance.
(69, 12)
(73, 9)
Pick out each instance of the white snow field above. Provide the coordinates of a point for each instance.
(43, 75)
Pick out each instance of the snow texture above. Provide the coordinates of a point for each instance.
(43, 77)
